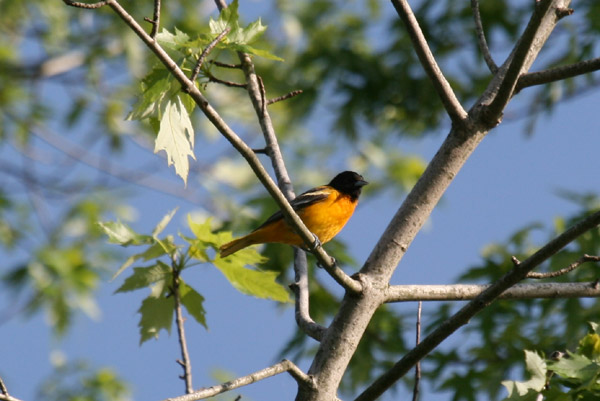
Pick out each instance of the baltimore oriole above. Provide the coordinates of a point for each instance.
(324, 210)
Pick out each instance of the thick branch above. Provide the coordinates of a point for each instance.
(283, 366)
(557, 73)
(4, 393)
(455, 110)
(480, 302)
(464, 292)
(483, 46)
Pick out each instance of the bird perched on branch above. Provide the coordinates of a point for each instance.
(325, 210)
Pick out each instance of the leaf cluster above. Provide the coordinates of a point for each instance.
(163, 275)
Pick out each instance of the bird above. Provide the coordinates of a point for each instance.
(325, 210)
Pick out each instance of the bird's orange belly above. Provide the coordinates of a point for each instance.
(325, 220)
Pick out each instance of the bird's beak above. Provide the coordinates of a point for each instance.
(360, 183)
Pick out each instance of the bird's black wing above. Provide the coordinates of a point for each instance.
(300, 202)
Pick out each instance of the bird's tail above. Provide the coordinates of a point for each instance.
(235, 245)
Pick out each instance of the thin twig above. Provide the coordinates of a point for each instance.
(463, 316)
(284, 97)
(557, 73)
(185, 363)
(418, 365)
(225, 65)
(453, 107)
(565, 270)
(89, 6)
(483, 46)
(206, 52)
(284, 366)
(465, 292)
(231, 84)
(155, 21)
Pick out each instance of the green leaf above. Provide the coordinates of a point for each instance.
(156, 250)
(260, 284)
(157, 314)
(238, 38)
(155, 87)
(176, 41)
(536, 367)
(122, 234)
(193, 302)
(590, 346)
(576, 366)
(163, 222)
(176, 137)
(142, 277)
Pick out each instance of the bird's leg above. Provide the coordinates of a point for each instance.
(316, 244)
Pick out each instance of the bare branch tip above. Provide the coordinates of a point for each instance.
(89, 6)
(562, 12)
(285, 97)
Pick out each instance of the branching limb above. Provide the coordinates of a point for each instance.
(541, 24)
(465, 292)
(571, 267)
(4, 393)
(185, 361)
(284, 366)
(483, 46)
(155, 21)
(455, 110)
(557, 73)
(300, 288)
(480, 302)
(246, 152)
(206, 52)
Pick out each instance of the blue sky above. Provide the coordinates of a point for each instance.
(511, 180)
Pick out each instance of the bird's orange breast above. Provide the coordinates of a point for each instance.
(324, 218)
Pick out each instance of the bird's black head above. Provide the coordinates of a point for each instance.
(349, 183)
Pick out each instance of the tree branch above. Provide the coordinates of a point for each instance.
(89, 6)
(155, 21)
(285, 97)
(464, 292)
(483, 46)
(206, 51)
(284, 366)
(455, 110)
(557, 73)
(4, 393)
(189, 87)
(300, 288)
(185, 361)
(542, 22)
(418, 365)
(480, 302)
(571, 267)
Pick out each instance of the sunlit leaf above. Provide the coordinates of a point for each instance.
(260, 284)
(193, 302)
(120, 233)
(176, 137)
(142, 277)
